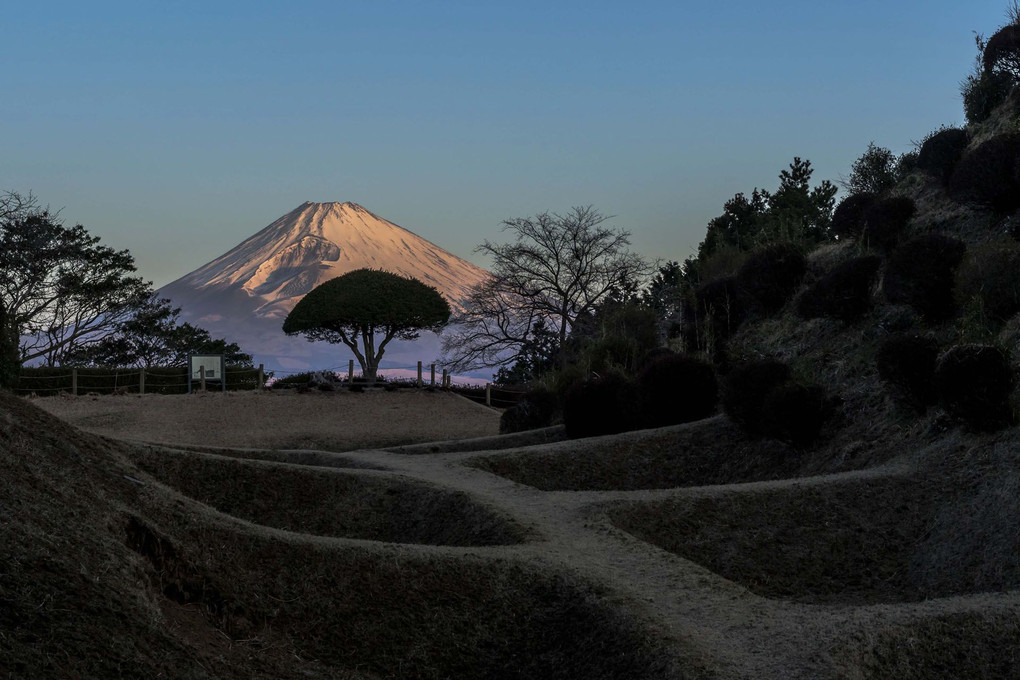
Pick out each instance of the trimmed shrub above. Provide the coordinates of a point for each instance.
(600, 405)
(941, 151)
(885, 221)
(771, 275)
(1002, 51)
(907, 364)
(974, 383)
(536, 409)
(983, 92)
(991, 276)
(677, 389)
(844, 293)
(747, 386)
(794, 412)
(848, 218)
(990, 174)
(921, 274)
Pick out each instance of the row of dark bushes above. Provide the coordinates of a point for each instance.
(764, 398)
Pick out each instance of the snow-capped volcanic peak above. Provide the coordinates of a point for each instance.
(319, 241)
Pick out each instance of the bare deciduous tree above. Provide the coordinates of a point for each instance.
(556, 269)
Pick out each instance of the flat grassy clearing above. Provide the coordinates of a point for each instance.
(283, 419)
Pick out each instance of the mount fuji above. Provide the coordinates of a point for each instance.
(245, 294)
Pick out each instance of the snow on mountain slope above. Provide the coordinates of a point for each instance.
(245, 294)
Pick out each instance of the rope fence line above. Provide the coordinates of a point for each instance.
(176, 380)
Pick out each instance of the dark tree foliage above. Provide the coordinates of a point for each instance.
(354, 307)
(539, 354)
(844, 293)
(664, 296)
(619, 335)
(990, 174)
(848, 219)
(974, 383)
(921, 273)
(990, 276)
(59, 285)
(677, 389)
(1002, 52)
(794, 412)
(153, 336)
(874, 172)
(907, 363)
(717, 313)
(983, 92)
(771, 275)
(10, 357)
(600, 405)
(941, 151)
(536, 409)
(745, 388)
(795, 212)
(557, 269)
(885, 221)
(996, 72)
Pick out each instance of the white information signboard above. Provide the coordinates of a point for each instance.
(207, 367)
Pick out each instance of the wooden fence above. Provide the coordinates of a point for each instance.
(43, 381)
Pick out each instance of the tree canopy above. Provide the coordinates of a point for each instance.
(556, 269)
(795, 212)
(59, 286)
(358, 306)
(153, 336)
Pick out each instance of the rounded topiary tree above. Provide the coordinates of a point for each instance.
(974, 383)
(990, 174)
(844, 293)
(537, 408)
(604, 404)
(907, 363)
(794, 412)
(848, 218)
(885, 221)
(941, 151)
(746, 387)
(365, 309)
(990, 276)
(677, 389)
(921, 273)
(771, 275)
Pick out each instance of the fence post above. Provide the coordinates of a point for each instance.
(446, 377)
(201, 370)
(488, 394)
(433, 383)
(350, 371)
(74, 381)
(419, 374)
(262, 378)
(141, 381)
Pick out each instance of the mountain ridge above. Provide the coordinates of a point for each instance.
(246, 293)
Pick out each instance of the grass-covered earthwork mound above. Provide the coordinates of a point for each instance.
(102, 576)
(866, 540)
(963, 645)
(331, 503)
(712, 451)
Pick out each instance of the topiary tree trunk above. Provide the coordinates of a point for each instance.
(10, 358)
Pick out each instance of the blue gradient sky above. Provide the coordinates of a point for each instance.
(178, 129)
